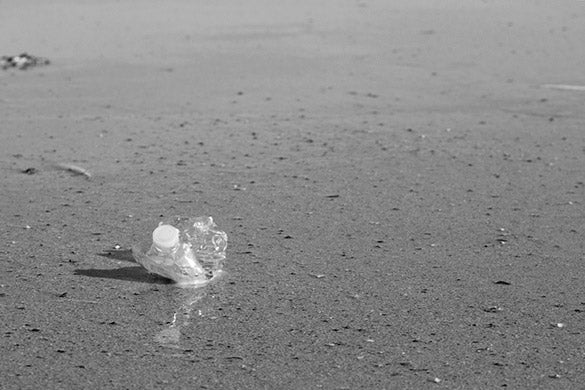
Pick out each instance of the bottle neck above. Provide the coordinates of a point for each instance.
(167, 251)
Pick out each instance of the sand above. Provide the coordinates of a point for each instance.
(401, 184)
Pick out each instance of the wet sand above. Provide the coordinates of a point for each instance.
(401, 184)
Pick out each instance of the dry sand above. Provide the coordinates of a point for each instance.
(401, 186)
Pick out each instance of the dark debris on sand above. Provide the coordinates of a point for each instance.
(22, 61)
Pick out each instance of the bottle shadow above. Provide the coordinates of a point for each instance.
(133, 273)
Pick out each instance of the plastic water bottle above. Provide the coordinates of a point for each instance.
(189, 251)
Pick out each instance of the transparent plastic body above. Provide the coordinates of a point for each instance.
(193, 259)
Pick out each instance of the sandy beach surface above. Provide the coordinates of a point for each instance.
(402, 184)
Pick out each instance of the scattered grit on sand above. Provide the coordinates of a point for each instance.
(401, 183)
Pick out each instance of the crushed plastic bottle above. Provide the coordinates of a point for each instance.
(189, 251)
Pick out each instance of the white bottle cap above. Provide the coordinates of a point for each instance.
(165, 237)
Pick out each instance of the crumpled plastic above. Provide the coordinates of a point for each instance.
(198, 257)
